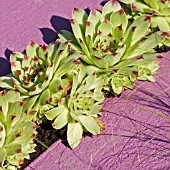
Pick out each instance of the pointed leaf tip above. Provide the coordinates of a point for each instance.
(165, 34)
(109, 35)
(80, 40)
(12, 79)
(147, 18)
(3, 92)
(159, 57)
(143, 39)
(114, 2)
(121, 11)
(99, 33)
(44, 47)
(35, 58)
(135, 73)
(120, 27)
(13, 64)
(71, 21)
(58, 42)
(26, 57)
(32, 43)
(105, 20)
(163, 1)
(133, 7)
(94, 12)
(19, 72)
(60, 52)
(88, 23)
(133, 29)
(78, 62)
(76, 10)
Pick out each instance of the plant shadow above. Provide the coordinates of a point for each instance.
(5, 67)
(5, 64)
(58, 23)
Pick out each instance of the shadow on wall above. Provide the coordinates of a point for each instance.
(58, 23)
(5, 64)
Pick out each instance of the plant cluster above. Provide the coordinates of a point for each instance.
(159, 11)
(63, 82)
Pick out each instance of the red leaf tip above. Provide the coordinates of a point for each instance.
(133, 7)
(22, 103)
(109, 35)
(35, 58)
(60, 88)
(165, 34)
(98, 58)
(32, 43)
(93, 12)
(120, 27)
(106, 20)
(121, 11)
(113, 2)
(88, 23)
(44, 47)
(99, 33)
(76, 10)
(26, 57)
(159, 57)
(71, 21)
(13, 64)
(163, 1)
(135, 73)
(19, 72)
(3, 92)
(60, 101)
(77, 62)
(147, 18)
(18, 150)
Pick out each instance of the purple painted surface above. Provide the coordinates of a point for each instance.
(137, 131)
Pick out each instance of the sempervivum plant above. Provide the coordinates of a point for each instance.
(158, 9)
(32, 72)
(17, 131)
(110, 42)
(124, 74)
(80, 108)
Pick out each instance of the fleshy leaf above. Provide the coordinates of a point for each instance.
(74, 134)
(53, 113)
(90, 124)
(110, 7)
(61, 120)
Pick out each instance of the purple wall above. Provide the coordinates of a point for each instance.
(136, 136)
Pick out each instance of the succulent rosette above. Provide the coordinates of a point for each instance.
(78, 109)
(125, 74)
(17, 131)
(159, 10)
(110, 42)
(33, 71)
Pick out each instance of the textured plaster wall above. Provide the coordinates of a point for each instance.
(137, 131)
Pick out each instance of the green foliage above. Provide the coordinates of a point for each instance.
(159, 10)
(33, 71)
(111, 42)
(63, 82)
(17, 131)
(78, 109)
